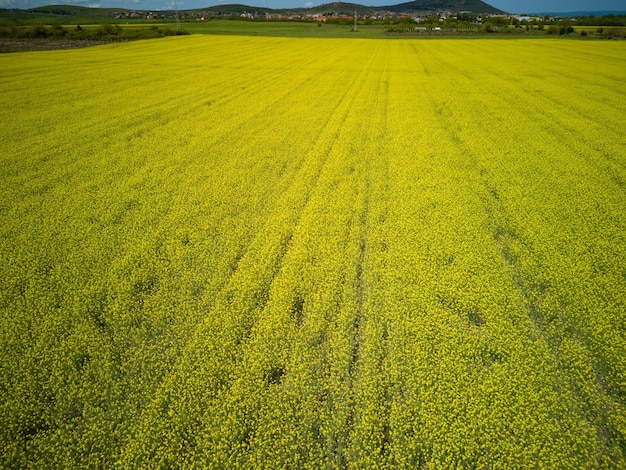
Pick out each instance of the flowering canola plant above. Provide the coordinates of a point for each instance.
(247, 252)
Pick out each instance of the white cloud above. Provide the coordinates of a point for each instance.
(173, 5)
(308, 5)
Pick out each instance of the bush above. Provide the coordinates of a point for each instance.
(9, 31)
(58, 31)
(107, 29)
(37, 30)
(553, 29)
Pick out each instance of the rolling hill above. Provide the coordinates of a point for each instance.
(432, 6)
(417, 6)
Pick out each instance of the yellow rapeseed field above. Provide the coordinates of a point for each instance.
(248, 252)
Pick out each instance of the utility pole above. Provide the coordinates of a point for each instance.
(177, 21)
(354, 28)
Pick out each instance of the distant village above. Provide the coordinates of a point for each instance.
(381, 15)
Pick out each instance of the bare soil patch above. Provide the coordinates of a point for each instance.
(44, 44)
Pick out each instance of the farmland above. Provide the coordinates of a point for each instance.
(261, 252)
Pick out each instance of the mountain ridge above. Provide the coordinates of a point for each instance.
(342, 8)
(416, 6)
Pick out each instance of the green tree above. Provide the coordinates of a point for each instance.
(488, 27)
(37, 30)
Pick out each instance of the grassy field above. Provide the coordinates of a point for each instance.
(119, 30)
(284, 29)
(256, 252)
(330, 30)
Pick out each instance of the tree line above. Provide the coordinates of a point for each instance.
(103, 32)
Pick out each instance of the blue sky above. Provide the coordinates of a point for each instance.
(530, 6)
(515, 6)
